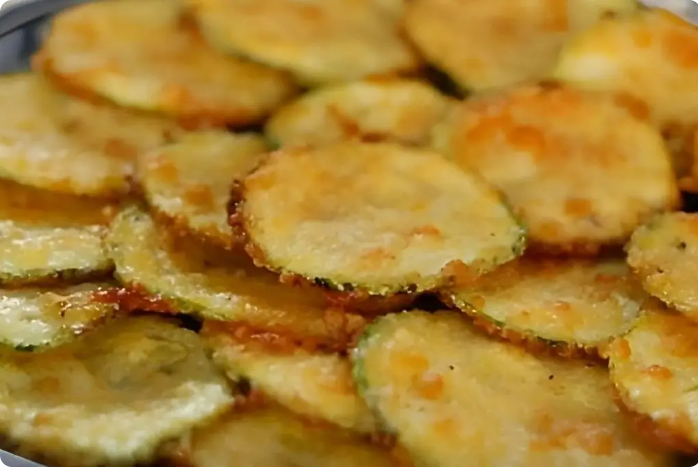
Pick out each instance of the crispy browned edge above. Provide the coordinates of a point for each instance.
(179, 225)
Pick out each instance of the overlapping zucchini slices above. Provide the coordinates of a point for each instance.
(372, 218)
(483, 45)
(573, 306)
(457, 398)
(312, 384)
(319, 41)
(219, 285)
(655, 370)
(651, 56)
(578, 167)
(111, 397)
(664, 255)
(272, 437)
(189, 182)
(380, 109)
(138, 54)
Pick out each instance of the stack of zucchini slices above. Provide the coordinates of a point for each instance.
(334, 233)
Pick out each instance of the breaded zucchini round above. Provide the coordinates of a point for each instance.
(655, 369)
(319, 41)
(218, 285)
(372, 218)
(380, 109)
(55, 142)
(489, 44)
(111, 397)
(188, 183)
(455, 397)
(138, 54)
(652, 57)
(664, 255)
(578, 167)
(316, 385)
(572, 306)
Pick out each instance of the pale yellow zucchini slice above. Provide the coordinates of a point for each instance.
(483, 45)
(664, 255)
(655, 370)
(273, 437)
(572, 306)
(651, 56)
(221, 285)
(138, 54)
(381, 109)
(373, 218)
(111, 397)
(188, 183)
(456, 398)
(319, 41)
(578, 167)
(316, 385)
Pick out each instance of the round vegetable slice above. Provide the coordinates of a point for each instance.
(188, 182)
(221, 285)
(319, 42)
(579, 169)
(655, 368)
(651, 56)
(663, 254)
(372, 218)
(394, 109)
(312, 384)
(138, 54)
(111, 397)
(272, 437)
(573, 306)
(456, 398)
(500, 42)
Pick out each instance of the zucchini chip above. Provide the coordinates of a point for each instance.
(559, 154)
(650, 57)
(272, 437)
(311, 384)
(399, 110)
(188, 183)
(664, 255)
(111, 397)
(318, 41)
(51, 141)
(138, 54)
(572, 306)
(454, 398)
(46, 237)
(221, 285)
(483, 45)
(655, 370)
(372, 218)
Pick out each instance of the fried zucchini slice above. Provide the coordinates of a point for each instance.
(51, 141)
(483, 45)
(655, 369)
(372, 218)
(558, 154)
(138, 54)
(652, 57)
(273, 437)
(429, 376)
(311, 384)
(220, 286)
(575, 306)
(112, 396)
(188, 182)
(663, 254)
(396, 109)
(319, 41)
